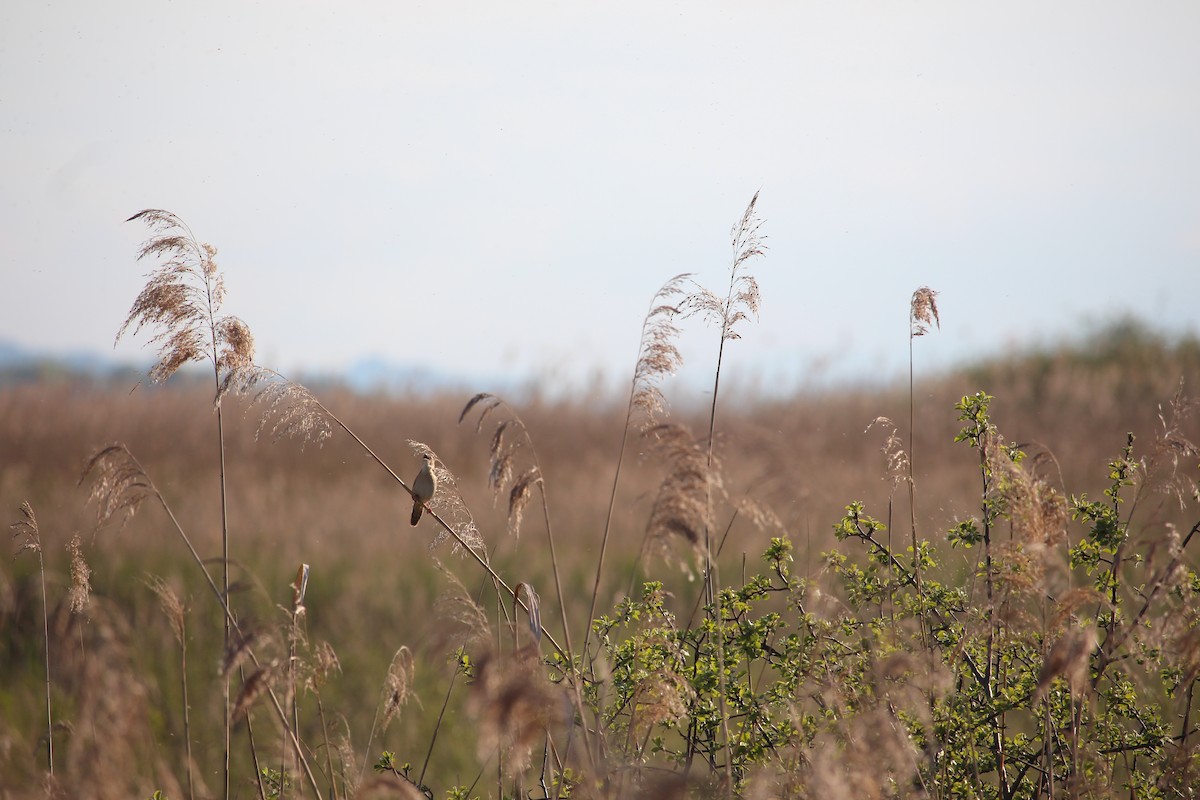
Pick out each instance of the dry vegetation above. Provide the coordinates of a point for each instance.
(390, 645)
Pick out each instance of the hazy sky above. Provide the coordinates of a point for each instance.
(499, 188)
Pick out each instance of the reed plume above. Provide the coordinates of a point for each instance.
(658, 358)
(182, 301)
(741, 300)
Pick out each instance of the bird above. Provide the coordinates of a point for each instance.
(423, 487)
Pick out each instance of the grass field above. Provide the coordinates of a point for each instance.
(996, 599)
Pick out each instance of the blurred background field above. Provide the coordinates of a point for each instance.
(374, 585)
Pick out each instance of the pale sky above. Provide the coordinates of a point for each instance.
(497, 189)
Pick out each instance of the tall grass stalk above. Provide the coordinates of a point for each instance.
(657, 358)
(119, 487)
(176, 615)
(183, 298)
(518, 484)
(740, 301)
(922, 311)
(29, 537)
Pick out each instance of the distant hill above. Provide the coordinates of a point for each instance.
(22, 365)
(1127, 346)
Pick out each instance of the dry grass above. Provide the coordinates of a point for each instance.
(374, 591)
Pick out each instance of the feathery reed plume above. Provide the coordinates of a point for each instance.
(29, 538)
(923, 312)
(1161, 470)
(171, 605)
(515, 706)
(894, 455)
(120, 484)
(461, 622)
(681, 507)
(503, 451)
(741, 300)
(175, 613)
(253, 688)
(239, 649)
(1068, 658)
(662, 697)
(658, 358)
(288, 409)
(397, 687)
(509, 439)
(182, 299)
(81, 576)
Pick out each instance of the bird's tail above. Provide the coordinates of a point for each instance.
(416, 515)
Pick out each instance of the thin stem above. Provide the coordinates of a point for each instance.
(500, 582)
(279, 710)
(46, 644)
(187, 726)
(612, 500)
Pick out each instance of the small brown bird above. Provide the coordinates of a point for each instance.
(423, 487)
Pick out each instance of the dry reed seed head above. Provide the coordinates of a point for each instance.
(923, 312)
(746, 235)
(26, 530)
(489, 404)
(663, 697)
(235, 353)
(1185, 648)
(80, 592)
(658, 357)
(760, 516)
(397, 687)
(287, 409)
(1069, 658)
(182, 298)
(1069, 602)
(503, 449)
(500, 471)
(1161, 469)
(239, 646)
(519, 497)
(515, 704)
(869, 755)
(325, 662)
(894, 455)
(907, 683)
(119, 484)
(681, 506)
(461, 622)
(252, 689)
(170, 604)
(347, 760)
